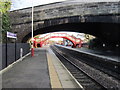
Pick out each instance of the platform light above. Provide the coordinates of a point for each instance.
(117, 45)
(103, 45)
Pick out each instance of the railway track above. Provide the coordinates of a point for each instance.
(105, 65)
(88, 77)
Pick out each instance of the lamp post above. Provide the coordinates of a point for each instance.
(32, 48)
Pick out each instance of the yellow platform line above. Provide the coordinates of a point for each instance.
(54, 79)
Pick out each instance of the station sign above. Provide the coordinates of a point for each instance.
(11, 35)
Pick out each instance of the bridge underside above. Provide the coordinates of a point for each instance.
(106, 32)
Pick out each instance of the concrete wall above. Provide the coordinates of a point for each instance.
(11, 52)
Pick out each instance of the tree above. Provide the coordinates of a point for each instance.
(4, 11)
(5, 6)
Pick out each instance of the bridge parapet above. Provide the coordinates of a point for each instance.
(59, 10)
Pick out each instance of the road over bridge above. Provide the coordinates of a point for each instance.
(101, 19)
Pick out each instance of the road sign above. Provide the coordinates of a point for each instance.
(11, 35)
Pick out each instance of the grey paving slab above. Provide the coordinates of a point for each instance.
(65, 78)
(32, 72)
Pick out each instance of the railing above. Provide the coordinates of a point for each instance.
(59, 35)
(15, 55)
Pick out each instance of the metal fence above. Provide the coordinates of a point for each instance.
(11, 52)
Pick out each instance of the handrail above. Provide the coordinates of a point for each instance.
(48, 36)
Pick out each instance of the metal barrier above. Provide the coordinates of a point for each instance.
(14, 52)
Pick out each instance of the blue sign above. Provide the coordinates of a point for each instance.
(11, 35)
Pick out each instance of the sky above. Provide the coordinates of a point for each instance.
(19, 4)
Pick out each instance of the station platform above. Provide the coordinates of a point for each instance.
(106, 54)
(103, 54)
(44, 70)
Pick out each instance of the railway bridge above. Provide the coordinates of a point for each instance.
(40, 41)
(100, 19)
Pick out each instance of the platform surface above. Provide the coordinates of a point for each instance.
(32, 72)
(65, 78)
(44, 70)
